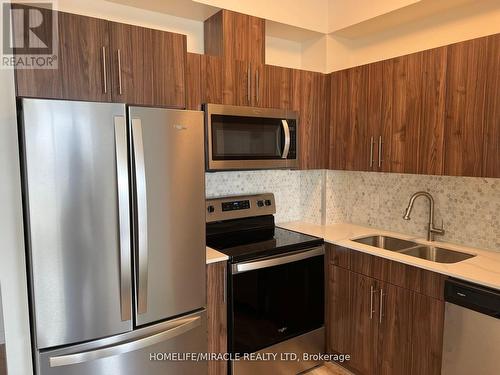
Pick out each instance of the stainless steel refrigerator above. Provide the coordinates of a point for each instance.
(114, 201)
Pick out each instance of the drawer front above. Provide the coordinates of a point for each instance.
(412, 278)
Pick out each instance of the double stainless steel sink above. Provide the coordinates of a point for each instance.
(432, 253)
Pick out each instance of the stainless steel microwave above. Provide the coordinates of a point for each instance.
(239, 138)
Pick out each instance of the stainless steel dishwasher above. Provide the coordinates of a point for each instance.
(471, 343)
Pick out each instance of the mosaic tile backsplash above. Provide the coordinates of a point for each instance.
(469, 207)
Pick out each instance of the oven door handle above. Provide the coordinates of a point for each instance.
(275, 261)
(286, 147)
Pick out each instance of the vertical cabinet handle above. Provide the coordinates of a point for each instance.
(104, 70)
(257, 86)
(118, 53)
(380, 151)
(381, 311)
(249, 79)
(371, 152)
(372, 291)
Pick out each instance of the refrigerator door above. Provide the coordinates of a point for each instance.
(169, 200)
(77, 217)
(143, 351)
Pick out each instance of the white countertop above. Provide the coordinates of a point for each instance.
(214, 256)
(482, 269)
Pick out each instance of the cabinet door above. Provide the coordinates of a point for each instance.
(148, 66)
(211, 79)
(235, 36)
(237, 82)
(427, 335)
(83, 61)
(217, 315)
(379, 115)
(193, 81)
(132, 75)
(339, 120)
(352, 307)
(358, 149)
(406, 115)
(167, 60)
(492, 110)
(395, 317)
(274, 87)
(466, 79)
(431, 135)
(312, 125)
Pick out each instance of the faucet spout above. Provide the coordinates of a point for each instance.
(432, 230)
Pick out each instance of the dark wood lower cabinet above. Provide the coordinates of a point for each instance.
(387, 329)
(394, 329)
(427, 317)
(217, 315)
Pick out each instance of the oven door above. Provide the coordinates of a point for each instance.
(275, 299)
(250, 138)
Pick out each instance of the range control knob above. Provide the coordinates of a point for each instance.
(260, 203)
(210, 209)
(268, 202)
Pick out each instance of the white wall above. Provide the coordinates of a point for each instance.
(472, 20)
(140, 17)
(12, 266)
(343, 13)
(283, 52)
(310, 14)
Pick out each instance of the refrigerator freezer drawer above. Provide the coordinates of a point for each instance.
(139, 352)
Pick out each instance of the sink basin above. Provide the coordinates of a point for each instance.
(385, 242)
(436, 254)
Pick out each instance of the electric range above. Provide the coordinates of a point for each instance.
(275, 285)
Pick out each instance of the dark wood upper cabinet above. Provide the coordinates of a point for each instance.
(431, 135)
(193, 81)
(466, 77)
(237, 84)
(276, 90)
(148, 66)
(360, 118)
(99, 60)
(83, 71)
(84, 62)
(313, 127)
(211, 79)
(491, 166)
(235, 36)
(406, 113)
(339, 120)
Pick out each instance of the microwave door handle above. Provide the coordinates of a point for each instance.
(286, 147)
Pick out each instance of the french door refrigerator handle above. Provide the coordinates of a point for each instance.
(286, 148)
(142, 216)
(123, 216)
(185, 325)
